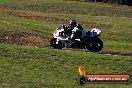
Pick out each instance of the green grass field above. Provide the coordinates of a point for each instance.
(25, 24)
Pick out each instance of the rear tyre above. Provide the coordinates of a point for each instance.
(60, 45)
(95, 45)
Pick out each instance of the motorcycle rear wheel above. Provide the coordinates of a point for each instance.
(60, 45)
(94, 45)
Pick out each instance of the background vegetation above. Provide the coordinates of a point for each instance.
(121, 2)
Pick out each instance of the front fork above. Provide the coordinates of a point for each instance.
(57, 41)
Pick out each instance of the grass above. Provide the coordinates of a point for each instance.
(73, 7)
(27, 66)
(116, 31)
(27, 24)
(23, 66)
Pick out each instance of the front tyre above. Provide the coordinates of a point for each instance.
(94, 45)
(53, 43)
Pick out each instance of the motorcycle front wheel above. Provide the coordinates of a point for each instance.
(95, 45)
(60, 45)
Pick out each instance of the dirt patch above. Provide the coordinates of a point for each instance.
(23, 38)
(46, 17)
(32, 15)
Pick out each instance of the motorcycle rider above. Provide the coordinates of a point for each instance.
(70, 27)
(75, 31)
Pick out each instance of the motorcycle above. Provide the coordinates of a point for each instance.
(89, 41)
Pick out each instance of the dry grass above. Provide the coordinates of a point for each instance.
(48, 17)
(23, 39)
(31, 15)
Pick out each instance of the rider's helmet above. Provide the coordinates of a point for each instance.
(72, 23)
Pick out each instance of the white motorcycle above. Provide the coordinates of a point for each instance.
(88, 40)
